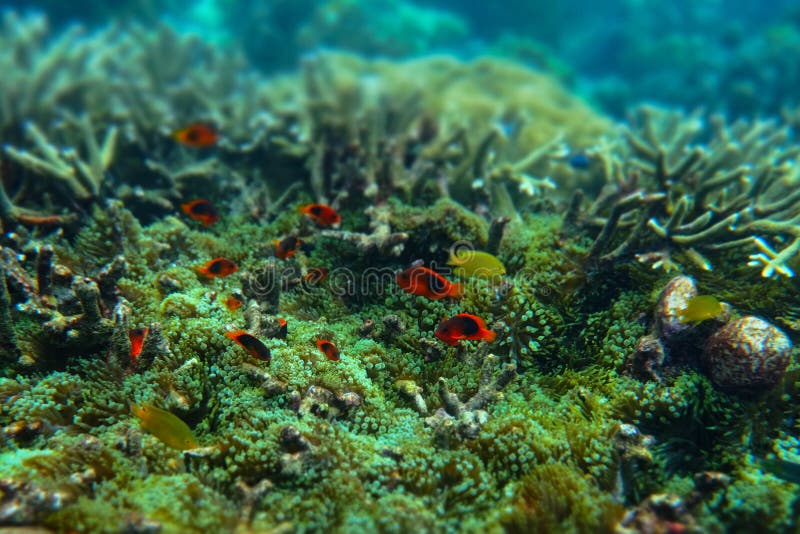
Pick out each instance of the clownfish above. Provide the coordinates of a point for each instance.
(201, 210)
(463, 326)
(251, 344)
(420, 280)
(328, 349)
(233, 302)
(196, 135)
(137, 337)
(218, 267)
(286, 247)
(316, 275)
(323, 214)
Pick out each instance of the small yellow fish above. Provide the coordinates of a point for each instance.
(165, 426)
(700, 308)
(467, 263)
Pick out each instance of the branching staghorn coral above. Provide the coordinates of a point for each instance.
(505, 185)
(356, 131)
(667, 193)
(417, 140)
(83, 178)
(131, 87)
(43, 74)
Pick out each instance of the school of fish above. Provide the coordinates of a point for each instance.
(415, 279)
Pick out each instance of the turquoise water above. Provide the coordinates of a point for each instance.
(733, 56)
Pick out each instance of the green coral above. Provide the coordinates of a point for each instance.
(554, 498)
(413, 158)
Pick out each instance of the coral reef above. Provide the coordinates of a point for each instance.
(738, 353)
(747, 353)
(586, 405)
(667, 195)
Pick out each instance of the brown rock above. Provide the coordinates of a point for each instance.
(747, 354)
(673, 299)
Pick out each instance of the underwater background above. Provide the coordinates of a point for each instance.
(394, 266)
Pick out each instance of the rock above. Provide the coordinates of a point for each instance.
(707, 482)
(673, 299)
(648, 359)
(659, 513)
(747, 354)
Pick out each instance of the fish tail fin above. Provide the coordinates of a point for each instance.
(456, 291)
(489, 335)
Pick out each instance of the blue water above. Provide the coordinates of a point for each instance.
(738, 57)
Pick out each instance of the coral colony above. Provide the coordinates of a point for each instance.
(373, 296)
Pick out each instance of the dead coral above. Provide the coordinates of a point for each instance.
(26, 502)
(8, 338)
(413, 392)
(381, 239)
(457, 420)
(71, 311)
(324, 403)
(659, 513)
(297, 452)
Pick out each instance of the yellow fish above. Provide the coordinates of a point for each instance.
(700, 308)
(165, 426)
(467, 263)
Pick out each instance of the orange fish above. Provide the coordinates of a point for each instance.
(328, 349)
(233, 302)
(316, 275)
(218, 267)
(464, 326)
(286, 247)
(196, 135)
(251, 344)
(201, 210)
(283, 330)
(137, 337)
(324, 215)
(420, 280)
